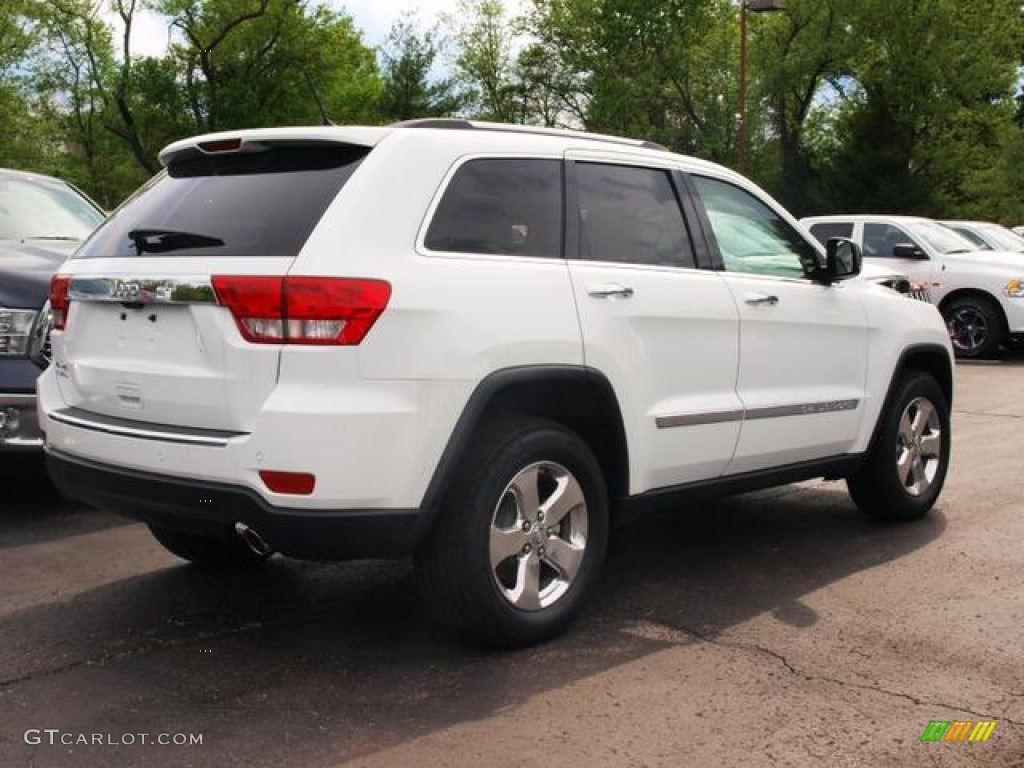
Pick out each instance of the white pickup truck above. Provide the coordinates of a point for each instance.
(979, 293)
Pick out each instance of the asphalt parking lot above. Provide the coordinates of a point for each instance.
(780, 628)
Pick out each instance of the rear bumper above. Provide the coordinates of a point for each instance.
(212, 509)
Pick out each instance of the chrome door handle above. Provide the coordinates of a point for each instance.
(761, 298)
(608, 290)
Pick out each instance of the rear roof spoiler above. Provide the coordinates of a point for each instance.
(262, 138)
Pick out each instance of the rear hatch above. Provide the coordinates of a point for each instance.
(148, 335)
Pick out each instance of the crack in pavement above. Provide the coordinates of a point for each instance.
(821, 678)
(153, 644)
(989, 413)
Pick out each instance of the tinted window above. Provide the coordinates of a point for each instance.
(751, 236)
(630, 215)
(826, 230)
(246, 204)
(880, 239)
(507, 206)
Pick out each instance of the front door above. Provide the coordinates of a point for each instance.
(803, 345)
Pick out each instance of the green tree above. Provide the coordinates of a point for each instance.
(27, 125)
(485, 62)
(927, 97)
(662, 70)
(407, 59)
(795, 58)
(249, 63)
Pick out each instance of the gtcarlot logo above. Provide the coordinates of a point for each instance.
(56, 737)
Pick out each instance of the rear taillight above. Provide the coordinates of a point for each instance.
(303, 310)
(60, 286)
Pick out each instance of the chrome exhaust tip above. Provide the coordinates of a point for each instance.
(256, 543)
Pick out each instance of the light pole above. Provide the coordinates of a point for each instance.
(754, 6)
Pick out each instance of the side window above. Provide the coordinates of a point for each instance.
(880, 239)
(826, 230)
(631, 215)
(510, 206)
(751, 236)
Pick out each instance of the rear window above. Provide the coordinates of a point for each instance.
(826, 230)
(247, 204)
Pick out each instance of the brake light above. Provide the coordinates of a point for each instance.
(60, 287)
(296, 483)
(303, 310)
(221, 145)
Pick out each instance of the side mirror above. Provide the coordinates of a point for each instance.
(908, 251)
(842, 260)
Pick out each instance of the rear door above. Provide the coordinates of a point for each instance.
(663, 331)
(803, 345)
(146, 339)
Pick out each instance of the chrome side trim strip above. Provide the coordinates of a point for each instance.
(696, 419)
(165, 433)
(801, 409)
(770, 412)
(141, 290)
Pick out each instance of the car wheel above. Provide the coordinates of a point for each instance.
(207, 551)
(521, 538)
(906, 466)
(975, 326)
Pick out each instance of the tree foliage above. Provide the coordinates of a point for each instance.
(896, 105)
(408, 58)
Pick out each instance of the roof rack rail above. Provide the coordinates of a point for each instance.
(458, 124)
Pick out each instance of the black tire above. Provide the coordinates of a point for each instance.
(976, 326)
(207, 551)
(878, 487)
(483, 516)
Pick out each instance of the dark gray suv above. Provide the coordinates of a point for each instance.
(42, 220)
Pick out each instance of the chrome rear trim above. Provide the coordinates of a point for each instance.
(142, 290)
(166, 433)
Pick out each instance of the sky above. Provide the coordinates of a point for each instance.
(373, 17)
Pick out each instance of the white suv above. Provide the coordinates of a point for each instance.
(478, 344)
(980, 293)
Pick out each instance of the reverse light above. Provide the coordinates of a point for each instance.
(303, 310)
(295, 483)
(60, 287)
(1014, 288)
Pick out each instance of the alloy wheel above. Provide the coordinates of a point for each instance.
(919, 448)
(538, 536)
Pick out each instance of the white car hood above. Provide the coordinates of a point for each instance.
(999, 260)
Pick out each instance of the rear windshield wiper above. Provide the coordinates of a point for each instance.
(164, 240)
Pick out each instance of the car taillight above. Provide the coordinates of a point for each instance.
(303, 310)
(60, 286)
